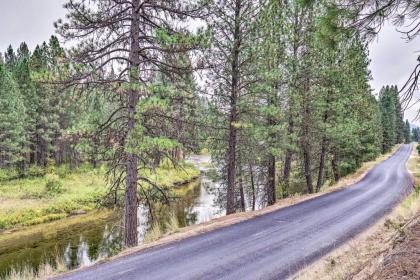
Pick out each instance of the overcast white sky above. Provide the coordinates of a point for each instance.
(31, 21)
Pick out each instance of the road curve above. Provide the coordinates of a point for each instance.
(275, 245)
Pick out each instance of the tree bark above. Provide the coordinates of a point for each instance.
(130, 213)
(324, 143)
(290, 125)
(307, 168)
(233, 118)
(271, 193)
(31, 154)
(336, 169)
(306, 146)
(320, 180)
(251, 173)
(288, 158)
(271, 182)
(241, 189)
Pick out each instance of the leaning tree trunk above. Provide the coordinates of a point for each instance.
(130, 213)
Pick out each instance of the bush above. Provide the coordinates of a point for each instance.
(63, 170)
(53, 184)
(50, 166)
(418, 149)
(84, 168)
(8, 174)
(35, 171)
(348, 166)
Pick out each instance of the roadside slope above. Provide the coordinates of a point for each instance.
(368, 254)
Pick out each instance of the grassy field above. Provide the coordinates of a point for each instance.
(60, 194)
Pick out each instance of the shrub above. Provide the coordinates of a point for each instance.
(8, 174)
(35, 171)
(63, 170)
(50, 166)
(53, 184)
(84, 168)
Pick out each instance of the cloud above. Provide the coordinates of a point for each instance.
(28, 20)
(392, 61)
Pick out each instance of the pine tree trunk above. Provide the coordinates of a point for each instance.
(288, 158)
(231, 167)
(307, 168)
(233, 118)
(271, 184)
(320, 180)
(290, 125)
(336, 169)
(251, 173)
(306, 145)
(130, 219)
(241, 189)
(31, 154)
(324, 143)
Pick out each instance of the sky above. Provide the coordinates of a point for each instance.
(392, 58)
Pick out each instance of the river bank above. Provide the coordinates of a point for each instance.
(57, 195)
(82, 240)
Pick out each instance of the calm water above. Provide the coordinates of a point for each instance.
(87, 239)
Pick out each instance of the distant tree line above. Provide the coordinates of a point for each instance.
(41, 122)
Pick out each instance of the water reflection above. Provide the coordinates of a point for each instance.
(100, 236)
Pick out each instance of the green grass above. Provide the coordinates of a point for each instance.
(31, 201)
(168, 176)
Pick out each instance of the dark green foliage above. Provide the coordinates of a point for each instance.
(407, 132)
(391, 115)
(51, 123)
(12, 119)
(416, 134)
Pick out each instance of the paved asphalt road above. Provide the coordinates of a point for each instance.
(274, 245)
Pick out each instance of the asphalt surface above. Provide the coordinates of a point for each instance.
(275, 245)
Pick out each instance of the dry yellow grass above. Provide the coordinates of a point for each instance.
(44, 271)
(358, 258)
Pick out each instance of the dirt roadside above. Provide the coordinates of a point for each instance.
(388, 250)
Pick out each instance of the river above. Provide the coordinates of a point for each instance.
(86, 239)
